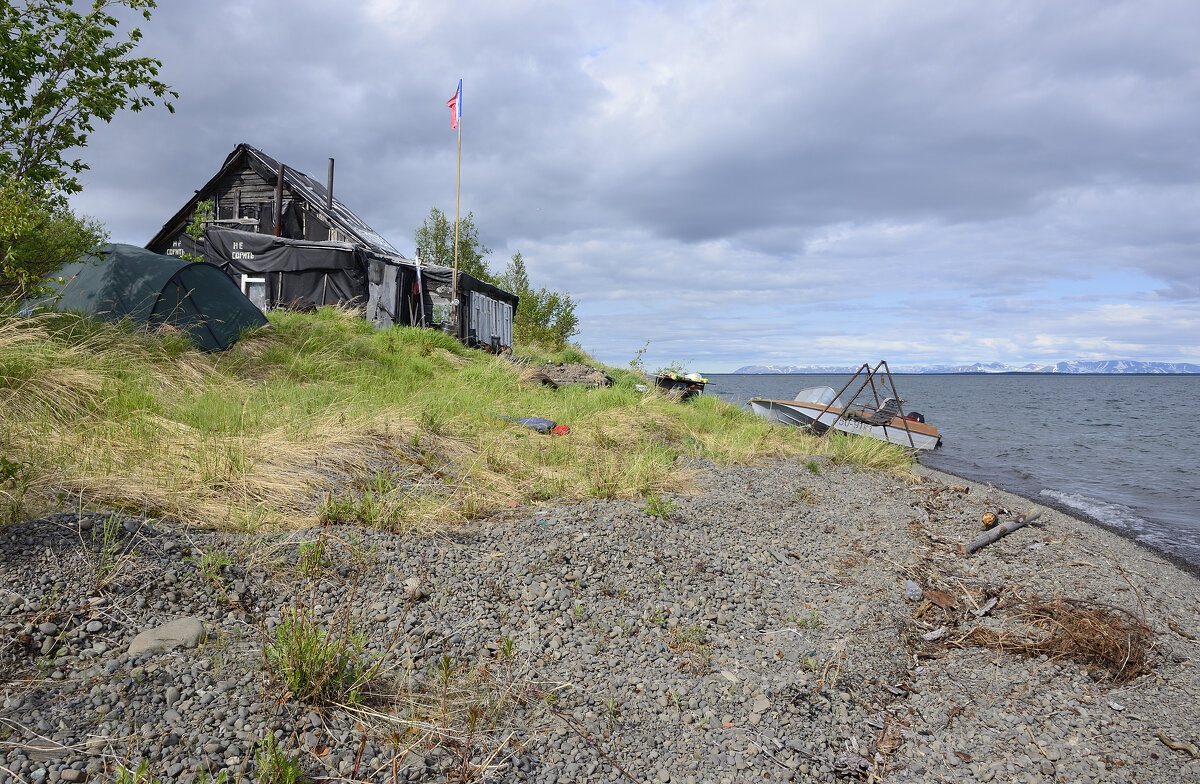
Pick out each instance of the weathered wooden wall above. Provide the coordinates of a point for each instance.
(244, 194)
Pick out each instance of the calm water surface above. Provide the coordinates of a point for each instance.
(1124, 450)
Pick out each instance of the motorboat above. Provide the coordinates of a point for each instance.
(879, 415)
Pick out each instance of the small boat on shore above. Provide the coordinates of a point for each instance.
(680, 386)
(881, 416)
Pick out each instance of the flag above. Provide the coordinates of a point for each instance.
(455, 105)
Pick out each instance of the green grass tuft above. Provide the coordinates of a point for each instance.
(275, 767)
(315, 665)
(864, 452)
(657, 506)
(139, 775)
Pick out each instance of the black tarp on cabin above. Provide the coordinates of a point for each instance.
(287, 272)
(277, 272)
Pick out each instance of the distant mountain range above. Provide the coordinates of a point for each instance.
(1072, 366)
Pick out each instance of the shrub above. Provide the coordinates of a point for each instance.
(38, 233)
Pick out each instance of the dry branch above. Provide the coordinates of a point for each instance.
(1180, 745)
(1002, 530)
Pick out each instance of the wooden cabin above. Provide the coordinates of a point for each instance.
(318, 252)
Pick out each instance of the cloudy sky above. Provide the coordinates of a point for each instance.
(776, 181)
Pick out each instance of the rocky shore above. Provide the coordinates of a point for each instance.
(797, 621)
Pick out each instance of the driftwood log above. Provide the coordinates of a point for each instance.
(1002, 530)
(1180, 745)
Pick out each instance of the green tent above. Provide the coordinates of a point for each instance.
(128, 282)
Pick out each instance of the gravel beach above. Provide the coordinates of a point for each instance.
(797, 621)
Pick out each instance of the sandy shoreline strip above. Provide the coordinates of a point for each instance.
(761, 629)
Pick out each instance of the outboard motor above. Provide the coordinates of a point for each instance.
(916, 416)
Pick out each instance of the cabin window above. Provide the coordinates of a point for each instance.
(255, 290)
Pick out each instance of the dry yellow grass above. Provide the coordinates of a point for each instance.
(324, 416)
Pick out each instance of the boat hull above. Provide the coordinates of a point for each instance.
(905, 432)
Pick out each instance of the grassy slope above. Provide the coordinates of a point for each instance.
(325, 418)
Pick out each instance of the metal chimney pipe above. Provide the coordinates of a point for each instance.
(329, 188)
(329, 198)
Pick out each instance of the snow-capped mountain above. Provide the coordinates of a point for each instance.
(791, 369)
(1071, 366)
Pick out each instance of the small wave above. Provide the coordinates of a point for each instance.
(1181, 543)
(1104, 511)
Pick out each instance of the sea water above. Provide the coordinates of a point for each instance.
(1121, 449)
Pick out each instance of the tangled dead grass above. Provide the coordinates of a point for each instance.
(1108, 640)
(323, 414)
(1112, 642)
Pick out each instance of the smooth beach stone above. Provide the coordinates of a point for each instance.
(181, 633)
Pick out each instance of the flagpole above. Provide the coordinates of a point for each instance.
(457, 191)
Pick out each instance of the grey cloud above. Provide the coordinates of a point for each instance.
(729, 175)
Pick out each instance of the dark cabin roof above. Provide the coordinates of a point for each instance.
(300, 184)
